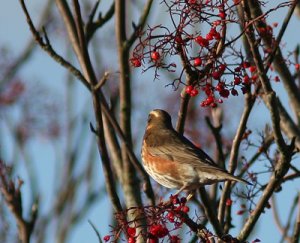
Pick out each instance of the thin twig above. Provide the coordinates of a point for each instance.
(91, 27)
(282, 165)
(210, 212)
(296, 233)
(279, 61)
(285, 236)
(249, 102)
(141, 24)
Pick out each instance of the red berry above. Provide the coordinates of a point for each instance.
(245, 89)
(136, 62)
(216, 23)
(237, 81)
(171, 217)
(254, 78)
(174, 239)
(228, 202)
(246, 79)
(155, 56)
(131, 240)
(245, 64)
(192, 1)
(153, 240)
(222, 67)
(234, 92)
(209, 36)
(197, 62)
(224, 93)
(183, 200)
(212, 31)
(213, 105)
(217, 36)
(202, 41)
(185, 209)
(131, 231)
(174, 199)
(179, 40)
(237, 69)
(215, 33)
(203, 103)
(216, 75)
(220, 86)
(158, 230)
(297, 66)
(240, 212)
(210, 99)
(277, 79)
(189, 89)
(222, 15)
(252, 69)
(194, 92)
(106, 238)
(207, 89)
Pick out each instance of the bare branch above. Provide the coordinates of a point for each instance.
(141, 24)
(249, 102)
(296, 233)
(91, 27)
(13, 199)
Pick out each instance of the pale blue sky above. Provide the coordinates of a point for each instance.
(43, 69)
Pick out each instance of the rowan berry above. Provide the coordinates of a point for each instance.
(194, 92)
(252, 69)
(106, 238)
(197, 62)
(155, 56)
(202, 41)
(234, 92)
(131, 231)
(228, 202)
(136, 62)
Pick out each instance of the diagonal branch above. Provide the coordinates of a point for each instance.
(91, 27)
(141, 24)
(279, 61)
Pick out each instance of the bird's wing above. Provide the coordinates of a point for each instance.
(181, 150)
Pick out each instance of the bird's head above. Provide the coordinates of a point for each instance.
(159, 118)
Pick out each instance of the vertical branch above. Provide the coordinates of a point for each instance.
(285, 236)
(279, 61)
(130, 185)
(283, 164)
(77, 38)
(210, 212)
(249, 102)
(296, 233)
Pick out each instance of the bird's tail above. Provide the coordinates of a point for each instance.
(235, 178)
(223, 175)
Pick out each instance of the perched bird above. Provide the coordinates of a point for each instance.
(175, 162)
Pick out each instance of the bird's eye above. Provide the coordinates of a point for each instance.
(149, 118)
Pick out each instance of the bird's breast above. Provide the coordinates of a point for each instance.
(168, 173)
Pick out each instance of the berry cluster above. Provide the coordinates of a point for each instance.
(215, 67)
(163, 221)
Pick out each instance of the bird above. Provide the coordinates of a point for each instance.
(175, 162)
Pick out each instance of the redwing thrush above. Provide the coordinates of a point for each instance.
(173, 161)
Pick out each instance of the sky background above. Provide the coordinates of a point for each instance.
(15, 35)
